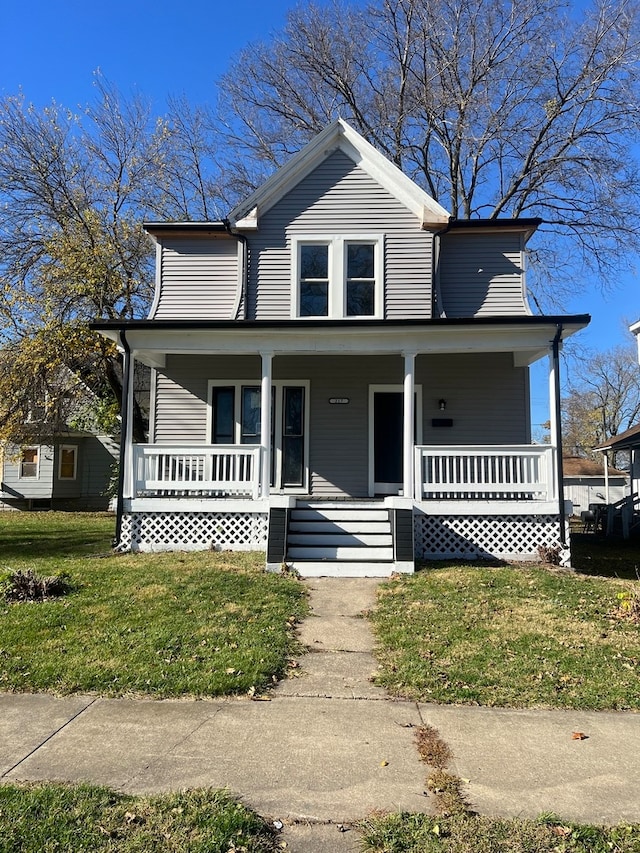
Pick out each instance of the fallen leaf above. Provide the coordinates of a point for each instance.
(384, 763)
(578, 736)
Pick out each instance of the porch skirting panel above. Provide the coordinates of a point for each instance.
(503, 537)
(194, 531)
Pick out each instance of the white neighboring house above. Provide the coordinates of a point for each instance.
(340, 377)
(585, 483)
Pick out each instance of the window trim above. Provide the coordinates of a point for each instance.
(73, 447)
(23, 450)
(337, 300)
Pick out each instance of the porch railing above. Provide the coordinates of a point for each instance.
(198, 471)
(517, 472)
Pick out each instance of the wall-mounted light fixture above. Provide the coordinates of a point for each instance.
(442, 404)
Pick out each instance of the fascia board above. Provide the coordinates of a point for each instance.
(529, 343)
(339, 135)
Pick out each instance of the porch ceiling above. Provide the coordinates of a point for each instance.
(528, 338)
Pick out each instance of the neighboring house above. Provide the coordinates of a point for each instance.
(628, 440)
(340, 377)
(585, 483)
(61, 461)
(69, 471)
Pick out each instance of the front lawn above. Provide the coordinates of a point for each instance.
(418, 833)
(90, 819)
(173, 624)
(508, 636)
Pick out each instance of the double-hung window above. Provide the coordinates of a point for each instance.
(338, 277)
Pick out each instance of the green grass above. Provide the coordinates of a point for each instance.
(56, 818)
(173, 624)
(508, 636)
(416, 833)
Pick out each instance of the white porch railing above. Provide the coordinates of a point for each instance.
(518, 472)
(220, 470)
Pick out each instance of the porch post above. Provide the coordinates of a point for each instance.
(265, 422)
(125, 472)
(556, 426)
(408, 421)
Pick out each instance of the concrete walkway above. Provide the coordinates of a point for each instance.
(329, 747)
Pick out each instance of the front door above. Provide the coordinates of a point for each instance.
(387, 438)
(388, 442)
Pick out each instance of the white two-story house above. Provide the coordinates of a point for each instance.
(340, 377)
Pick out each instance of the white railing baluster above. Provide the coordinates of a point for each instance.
(204, 471)
(485, 473)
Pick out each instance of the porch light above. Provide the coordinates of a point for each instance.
(442, 404)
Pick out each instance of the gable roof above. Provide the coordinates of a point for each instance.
(339, 136)
(627, 439)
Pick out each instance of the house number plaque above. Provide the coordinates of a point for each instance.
(338, 401)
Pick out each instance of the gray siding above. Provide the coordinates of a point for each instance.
(340, 198)
(30, 488)
(199, 279)
(482, 274)
(181, 393)
(487, 400)
(95, 458)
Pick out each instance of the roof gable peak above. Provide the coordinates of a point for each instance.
(339, 136)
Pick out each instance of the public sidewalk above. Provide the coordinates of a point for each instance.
(329, 747)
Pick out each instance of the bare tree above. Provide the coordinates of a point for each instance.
(74, 191)
(603, 397)
(496, 107)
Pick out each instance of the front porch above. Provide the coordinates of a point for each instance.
(430, 420)
(468, 503)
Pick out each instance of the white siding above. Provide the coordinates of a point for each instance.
(482, 274)
(340, 198)
(199, 279)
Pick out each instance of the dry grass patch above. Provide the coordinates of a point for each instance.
(511, 636)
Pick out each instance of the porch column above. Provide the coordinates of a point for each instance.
(265, 421)
(408, 421)
(556, 426)
(125, 467)
(129, 472)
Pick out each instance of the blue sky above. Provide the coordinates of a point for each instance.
(165, 48)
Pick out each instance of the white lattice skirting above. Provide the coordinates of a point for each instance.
(504, 537)
(194, 531)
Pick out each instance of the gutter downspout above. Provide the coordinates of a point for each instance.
(124, 430)
(558, 436)
(244, 273)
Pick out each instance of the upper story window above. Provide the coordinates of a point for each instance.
(338, 277)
